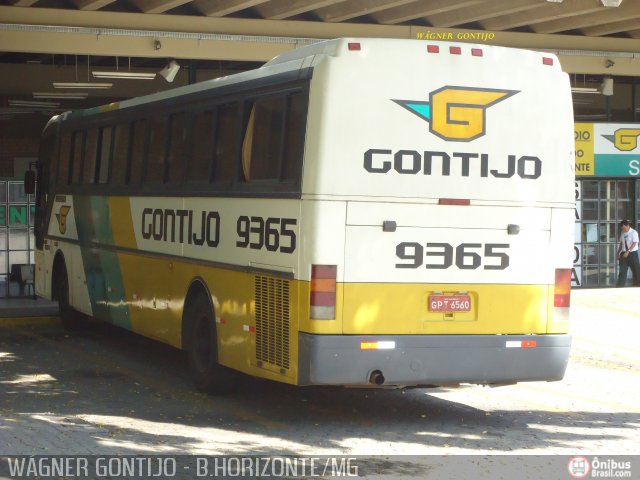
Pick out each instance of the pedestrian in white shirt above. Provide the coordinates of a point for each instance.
(628, 254)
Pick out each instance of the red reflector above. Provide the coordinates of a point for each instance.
(324, 271)
(529, 344)
(454, 201)
(562, 290)
(433, 48)
(323, 299)
(477, 52)
(547, 60)
(455, 50)
(354, 46)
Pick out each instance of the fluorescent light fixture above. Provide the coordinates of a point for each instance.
(124, 75)
(82, 85)
(33, 104)
(61, 95)
(584, 90)
(12, 111)
(611, 3)
(592, 116)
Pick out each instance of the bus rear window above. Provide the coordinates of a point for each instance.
(178, 148)
(227, 135)
(65, 154)
(137, 151)
(90, 154)
(203, 141)
(76, 159)
(120, 154)
(157, 151)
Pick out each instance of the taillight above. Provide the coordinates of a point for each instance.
(433, 48)
(562, 290)
(476, 52)
(454, 201)
(353, 46)
(323, 292)
(547, 61)
(455, 50)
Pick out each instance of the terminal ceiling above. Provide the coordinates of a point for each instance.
(42, 41)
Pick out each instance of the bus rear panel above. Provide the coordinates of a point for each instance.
(447, 173)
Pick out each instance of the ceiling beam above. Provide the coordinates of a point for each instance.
(625, 11)
(158, 6)
(91, 5)
(23, 40)
(479, 12)
(545, 12)
(353, 9)
(281, 9)
(612, 27)
(220, 8)
(420, 9)
(23, 3)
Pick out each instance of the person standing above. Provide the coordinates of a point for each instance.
(628, 254)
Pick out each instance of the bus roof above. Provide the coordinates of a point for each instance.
(306, 56)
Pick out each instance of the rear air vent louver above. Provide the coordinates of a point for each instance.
(272, 321)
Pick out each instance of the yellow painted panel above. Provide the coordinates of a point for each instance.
(156, 287)
(403, 309)
(120, 221)
(585, 162)
(148, 284)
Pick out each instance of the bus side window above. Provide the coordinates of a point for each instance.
(227, 135)
(119, 164)
(198, 170)
(178, 148)
(90, 154)
(76, 159)
(262, 147)
(63, 162)
(295, 131)
(137, 152)
(106, 134)
(157, 151)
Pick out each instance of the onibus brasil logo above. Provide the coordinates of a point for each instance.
(457, 113)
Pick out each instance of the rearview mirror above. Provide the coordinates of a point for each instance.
(29, 182)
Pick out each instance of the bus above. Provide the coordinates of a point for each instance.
(356, 212)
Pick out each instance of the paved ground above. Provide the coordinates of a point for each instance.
(108, 392)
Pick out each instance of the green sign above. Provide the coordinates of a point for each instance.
(18, 215)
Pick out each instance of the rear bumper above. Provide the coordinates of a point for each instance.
(431, 359)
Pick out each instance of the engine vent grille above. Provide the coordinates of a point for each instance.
(272, 320)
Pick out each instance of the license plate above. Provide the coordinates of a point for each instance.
(449, 303)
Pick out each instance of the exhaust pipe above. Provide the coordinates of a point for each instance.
(376, 378)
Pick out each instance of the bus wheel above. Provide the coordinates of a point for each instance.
(70, 319)
(208, 375)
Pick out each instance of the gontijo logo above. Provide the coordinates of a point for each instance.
(62, 218)
(624, 139)
(457, 113)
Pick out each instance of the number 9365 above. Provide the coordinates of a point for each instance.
(466, 256)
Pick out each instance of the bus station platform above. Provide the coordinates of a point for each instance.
(15, 308)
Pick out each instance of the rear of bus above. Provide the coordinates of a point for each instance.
(437, 215)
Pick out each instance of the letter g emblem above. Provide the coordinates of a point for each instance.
(457, 113)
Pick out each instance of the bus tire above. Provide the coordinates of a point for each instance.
(69, 317)
(208, 375)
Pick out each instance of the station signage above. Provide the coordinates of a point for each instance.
(16, 215)
(607, 149)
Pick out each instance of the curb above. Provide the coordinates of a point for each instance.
(26, 321)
